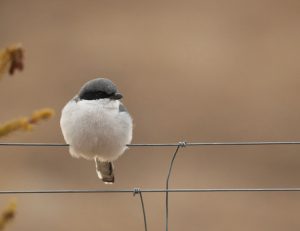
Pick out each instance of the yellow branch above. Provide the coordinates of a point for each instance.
(7, 215)
(25, 123)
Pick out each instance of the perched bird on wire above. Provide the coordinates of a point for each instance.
(97, 126)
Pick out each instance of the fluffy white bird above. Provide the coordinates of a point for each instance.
(97, 126)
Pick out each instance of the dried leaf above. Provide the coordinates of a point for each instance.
(11, 59)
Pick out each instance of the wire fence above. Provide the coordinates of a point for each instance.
(165, 190)
(239, 143)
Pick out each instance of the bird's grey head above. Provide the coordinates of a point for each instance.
(99, 88)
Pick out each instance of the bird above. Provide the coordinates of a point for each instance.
(97, 126)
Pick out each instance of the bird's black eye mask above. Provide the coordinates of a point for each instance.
(99, 95)
(94, 95)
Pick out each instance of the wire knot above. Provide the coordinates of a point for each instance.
(136, 191)
(182, 144)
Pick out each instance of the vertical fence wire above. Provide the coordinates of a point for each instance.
(179, 145)
(138, 191)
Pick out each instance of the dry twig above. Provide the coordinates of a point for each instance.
(25, 123)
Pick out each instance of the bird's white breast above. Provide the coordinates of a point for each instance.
(96, 128)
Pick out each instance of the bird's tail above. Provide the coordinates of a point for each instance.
(105, 171)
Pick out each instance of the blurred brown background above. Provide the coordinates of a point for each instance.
(190, 70)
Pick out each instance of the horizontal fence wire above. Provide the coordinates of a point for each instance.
(239, 143)
(152, 190)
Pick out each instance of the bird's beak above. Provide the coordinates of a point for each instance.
(116, 96)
